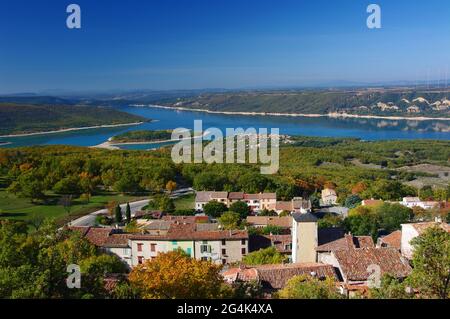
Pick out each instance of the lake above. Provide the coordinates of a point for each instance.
(366, 129)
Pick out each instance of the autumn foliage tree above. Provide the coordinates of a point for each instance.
(174, 275)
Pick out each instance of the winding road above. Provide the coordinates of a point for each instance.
(89, 220)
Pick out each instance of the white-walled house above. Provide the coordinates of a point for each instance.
(411, 231)
(329, 197)
(412, 202)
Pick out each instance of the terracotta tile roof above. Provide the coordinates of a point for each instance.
(189, 232)
(251, 196)
(282, 205)
(185, 219)
(117, 240)
(103, 237)
(355, 262)
(203, 197)
(285, 221)
(236, 195)
(276, 276)
(219, 195)
(280, 242)
(346, 243)
(421, 227)
(268, 196)
(394, 239)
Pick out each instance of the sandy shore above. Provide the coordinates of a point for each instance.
(72, 129)
(110, 145)
(330, 115)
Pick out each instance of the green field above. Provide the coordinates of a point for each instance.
(185, 202)
(12, 207)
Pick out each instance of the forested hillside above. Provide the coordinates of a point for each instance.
(364, 102)
(25, 118)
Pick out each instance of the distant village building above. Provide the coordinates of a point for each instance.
(256, 202)
(329, 197)
(412, 202)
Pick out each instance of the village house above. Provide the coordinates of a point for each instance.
(304, 238)
(200, 241)
(371, 202)
(411, 231)
(282, 243)
(264, 221)
(296, 205)
(324, 252)
(356, 266)
(218, 246)
(412, 202)
(274, 277)
(329, 197)
(256, 202)
(393, 240)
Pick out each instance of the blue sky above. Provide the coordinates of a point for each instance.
(168, 44)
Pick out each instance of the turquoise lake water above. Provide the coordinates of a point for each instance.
(366, 129)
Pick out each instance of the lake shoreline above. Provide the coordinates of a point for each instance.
(329, 115)
(71, 129)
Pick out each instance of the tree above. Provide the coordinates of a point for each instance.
(352, 201)
(68, 185)
(171, 186)
(431, 263)
(272, 229)
(362, 225)
(266, 212)
(229, 220)
(307, 287)
(118, 214)
(214, 208)
(174, 275)
(391, 288)
(66, 202)
(329, 221)
(162, 202)
(264, 257)
(128, 213)
(241, 208)
(391, 216)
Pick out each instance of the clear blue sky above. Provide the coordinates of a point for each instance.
(167, 44)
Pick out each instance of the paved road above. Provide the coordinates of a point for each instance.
(89, 220)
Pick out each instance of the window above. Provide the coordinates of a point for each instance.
(224, 242)
(189, 251)
(224, 251)
(204, 258)
(140, 260)
(243, 251)
(243, 241)
(224, 261)
(205, 249)
(152, 247)
(139, 247)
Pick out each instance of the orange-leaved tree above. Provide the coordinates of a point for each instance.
(175, 275)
